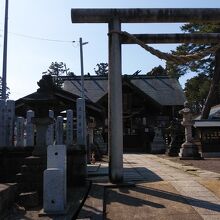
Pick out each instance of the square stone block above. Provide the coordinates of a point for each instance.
(56, 156)
(54, 198)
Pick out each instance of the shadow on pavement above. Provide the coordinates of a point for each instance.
(176, 197)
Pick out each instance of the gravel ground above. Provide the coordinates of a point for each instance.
(210, 164)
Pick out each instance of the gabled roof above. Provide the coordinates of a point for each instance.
(95, 87)
(164, 90)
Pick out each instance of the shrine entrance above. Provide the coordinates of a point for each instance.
(114, 18)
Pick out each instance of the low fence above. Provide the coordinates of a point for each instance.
(21, 132)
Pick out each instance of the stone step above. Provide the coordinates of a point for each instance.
(24, 169)
(27, 182)
(33, 161)
(8, 193)
(28, 199)
(23, 187)
(19, 177)
(29, 177)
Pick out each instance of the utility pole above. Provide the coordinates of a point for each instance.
(84, 135)
(81, 43)
(82, 67)
(4, 68)
(81, 135)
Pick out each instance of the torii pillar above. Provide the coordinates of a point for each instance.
(115, 121)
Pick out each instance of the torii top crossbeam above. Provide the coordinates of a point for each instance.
(143, 15)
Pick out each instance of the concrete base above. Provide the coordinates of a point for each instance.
(54, 214)
(189, 151)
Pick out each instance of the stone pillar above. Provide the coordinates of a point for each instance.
(115, 128)
(59, 130)
(20, 132)
(189, 149)
(29, 129)
(10, 119)
(69, 127)
(81, 130)
(81, 122)
(2, 123)
(91, 127)
(50, 130)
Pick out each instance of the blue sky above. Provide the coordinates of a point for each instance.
(50, 19)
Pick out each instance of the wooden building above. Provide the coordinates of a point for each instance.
(208, 132)
(148, 102)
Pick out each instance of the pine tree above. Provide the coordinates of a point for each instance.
(102, 69)
(157, 71)
(196, 90)
(58, 69)
(205, 66)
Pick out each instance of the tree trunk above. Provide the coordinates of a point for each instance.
(213, 88)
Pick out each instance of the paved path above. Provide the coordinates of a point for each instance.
(164, 190)
(185, 179)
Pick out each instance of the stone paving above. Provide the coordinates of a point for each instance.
(162, 190)
(155, 200)
(184, 179)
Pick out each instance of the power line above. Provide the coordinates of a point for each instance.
(40, 38)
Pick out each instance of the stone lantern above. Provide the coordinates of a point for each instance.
(41, 102)
(188, 149)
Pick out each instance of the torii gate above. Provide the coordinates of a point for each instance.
(114, 18)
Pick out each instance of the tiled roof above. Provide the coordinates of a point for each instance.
(162, 89)
(94, 88)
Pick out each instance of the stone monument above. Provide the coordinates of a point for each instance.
(158, 144)
(188, 149)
